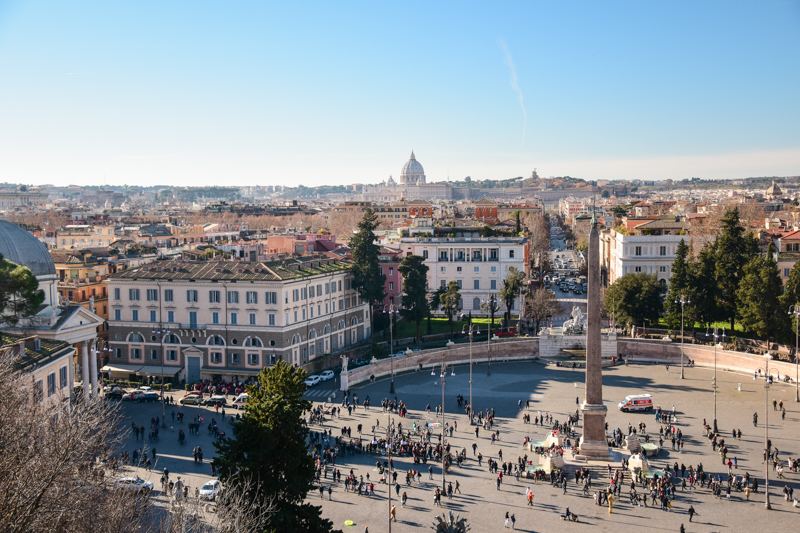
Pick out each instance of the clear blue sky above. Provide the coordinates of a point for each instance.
(192, 92)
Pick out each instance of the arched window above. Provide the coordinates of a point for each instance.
(663, 282)
(354, 321)
(254, 342)
(326, 330)
(172, 339)
(341, 325)
(296, 339)
(135, 337)
(216, 340)
(312, 334)
(476, 304)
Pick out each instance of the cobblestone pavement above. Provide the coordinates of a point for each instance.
(551, 390)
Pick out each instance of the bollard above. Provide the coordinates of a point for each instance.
(740, 387)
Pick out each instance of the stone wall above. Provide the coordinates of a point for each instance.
(727, 360)
(501, 350)
(550, 346)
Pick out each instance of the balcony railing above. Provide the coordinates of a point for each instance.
(193, 326)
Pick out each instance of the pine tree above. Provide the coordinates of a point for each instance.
(415, 296)
(678, 285)
(734, 250)
(703, 288)
(368, 279)
(270, 449)
(19, 292)
(759, 296)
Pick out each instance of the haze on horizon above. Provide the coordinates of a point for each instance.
(252, 93)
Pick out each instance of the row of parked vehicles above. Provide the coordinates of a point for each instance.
(209, 491)
(315, 379)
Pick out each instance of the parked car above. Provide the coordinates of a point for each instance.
(210, 490)
(135, 484)
(312, 380)
(217, 400)
(116, 394)
(149, 397)
(325, 376)
(192, 399)
(111, 387)
(398, 354)
(133, 396)
(145, 388)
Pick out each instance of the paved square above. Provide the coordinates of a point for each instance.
(551, 390)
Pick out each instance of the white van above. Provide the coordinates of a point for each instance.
(240, 401)
(636, 402)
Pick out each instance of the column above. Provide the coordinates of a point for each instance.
(93, 370)
(85, 370)
(593, 443)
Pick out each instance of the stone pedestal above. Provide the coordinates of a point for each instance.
(593, 444)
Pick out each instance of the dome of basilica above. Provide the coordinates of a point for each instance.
(412, 173)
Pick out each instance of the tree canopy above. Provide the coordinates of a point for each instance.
(270, 447)
(415, 296)
(19, 292)
(512, 287)
(734, 250)
(635, 298)
(449, 301)
(759, 297)
(368, 279)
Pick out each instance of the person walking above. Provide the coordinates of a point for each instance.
(610, 503)
(691, 512)
(394, 514)
(507, 519)
(513, 521)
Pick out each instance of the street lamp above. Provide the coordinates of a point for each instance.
(683, 301)
(716, 336)
(391, 312)
(795, 310)
(490, 302)
(767, 446)
(443, 378)
(161, 356)
(389, 437)
(473, 328)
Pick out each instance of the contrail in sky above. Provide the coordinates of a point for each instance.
(509, 61)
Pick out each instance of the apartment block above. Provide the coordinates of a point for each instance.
(229, 320)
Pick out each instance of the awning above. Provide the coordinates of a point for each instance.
(155, 370)
(119, 367)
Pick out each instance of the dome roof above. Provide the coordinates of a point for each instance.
(22, 248)
(774, 190)
(412, 166)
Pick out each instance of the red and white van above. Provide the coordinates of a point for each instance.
(636, 402)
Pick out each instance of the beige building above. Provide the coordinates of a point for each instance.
(47, 362)
(207, 319)
(478, 264)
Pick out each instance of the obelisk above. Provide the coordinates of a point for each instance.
(593, 443)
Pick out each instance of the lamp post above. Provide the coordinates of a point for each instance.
(389, 437)
(683, 301)
(490, 301)
(443, 378)
(795, 310)
(391, 312)
(716, 336)
(473, 328)
(767, 381)
(161, 356)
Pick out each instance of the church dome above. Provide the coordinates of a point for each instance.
(774, 190)
(22, 248)
(412, 173)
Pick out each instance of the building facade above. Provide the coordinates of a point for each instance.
(226, 320)
(478, 264)
(637, 254)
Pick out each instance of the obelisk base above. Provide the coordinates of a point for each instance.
(593, 445)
